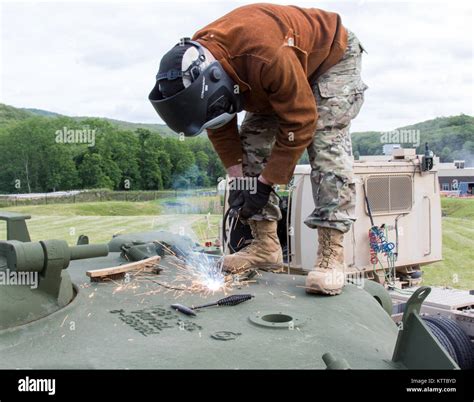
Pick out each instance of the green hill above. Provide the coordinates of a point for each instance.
(448, 137)
(41, 112)
(161, 129)
(38, 154)
(10, 114)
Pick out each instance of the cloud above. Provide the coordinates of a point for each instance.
(100, 59)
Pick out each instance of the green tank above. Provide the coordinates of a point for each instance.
(58, 318)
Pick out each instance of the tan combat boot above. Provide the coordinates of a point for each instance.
(264, 252)
(328, 276)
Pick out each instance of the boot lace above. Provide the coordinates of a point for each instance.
(253, 246)
(327, 251)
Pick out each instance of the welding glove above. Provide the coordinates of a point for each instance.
(255, 200)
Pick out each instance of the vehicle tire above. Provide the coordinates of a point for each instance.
(442, 339)
(450, 334)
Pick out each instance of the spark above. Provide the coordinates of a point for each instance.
(65, 318)
(203, 272)
(213, 284)
(195, 272)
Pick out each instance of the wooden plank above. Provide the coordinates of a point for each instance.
(121, 269)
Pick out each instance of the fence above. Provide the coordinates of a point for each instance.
(98, 196)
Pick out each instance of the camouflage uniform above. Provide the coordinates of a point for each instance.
(339, 95)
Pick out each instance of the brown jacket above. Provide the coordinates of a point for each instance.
(272, 52)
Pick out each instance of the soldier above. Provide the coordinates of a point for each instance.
(296, 72)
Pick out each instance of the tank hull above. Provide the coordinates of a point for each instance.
(109, 325)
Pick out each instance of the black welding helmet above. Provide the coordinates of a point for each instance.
(209, 101)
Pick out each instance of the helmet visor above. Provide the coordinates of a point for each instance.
(187, 111)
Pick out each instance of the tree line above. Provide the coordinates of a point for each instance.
(450, 138)
(41, 154)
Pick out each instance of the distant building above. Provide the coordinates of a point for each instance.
(388, 148)
(455, 176)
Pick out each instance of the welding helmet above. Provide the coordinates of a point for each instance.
(209, 101)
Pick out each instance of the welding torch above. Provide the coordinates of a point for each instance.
(236, 201)
(233, 215)
(231, 300)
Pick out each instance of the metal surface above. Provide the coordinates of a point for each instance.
(183, 309)
(41, 265)
(133, 326)
(16, 225)
(389, 194)
(335, 364)
(183, 243)
(273, 319)
(427, 235)
(451, 303)
(379, 293)
(419, 232)
(110, 325)
(442, 298)
(416, 348)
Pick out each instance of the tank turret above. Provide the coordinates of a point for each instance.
(33, 278)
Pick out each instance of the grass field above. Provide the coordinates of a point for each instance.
(457, 268)
(207, 229)
(108, 208)
(100, 220)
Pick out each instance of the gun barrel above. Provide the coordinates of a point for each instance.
(88, 251)
(39, 256)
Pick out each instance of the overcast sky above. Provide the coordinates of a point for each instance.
(100, 59)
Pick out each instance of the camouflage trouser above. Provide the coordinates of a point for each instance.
(339, 95)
